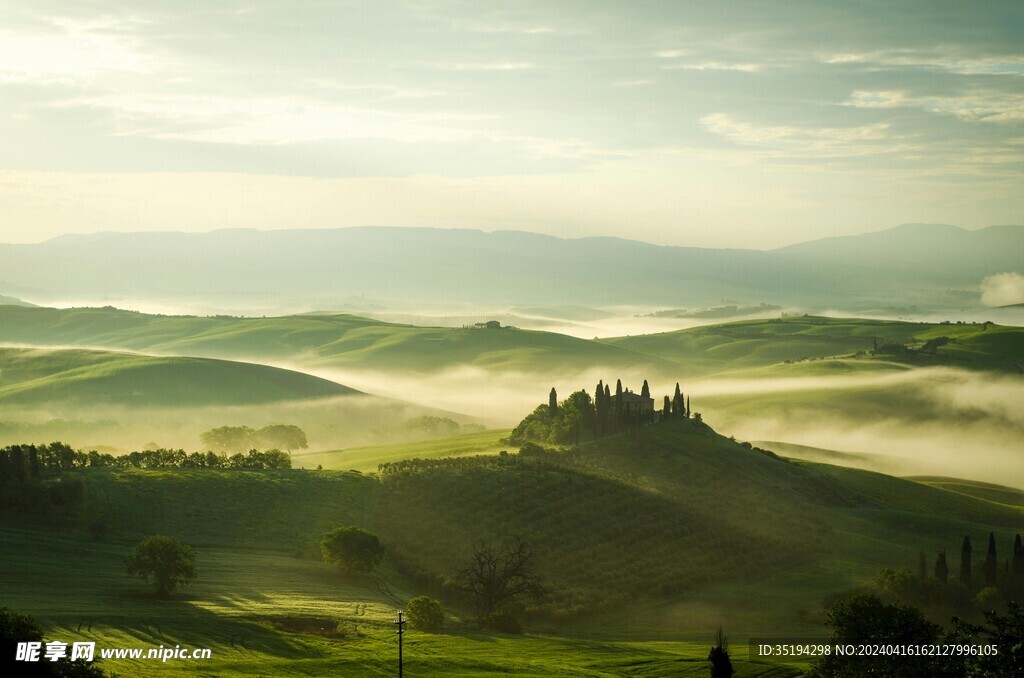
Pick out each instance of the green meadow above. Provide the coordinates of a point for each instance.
(317, 339)
(268, 614)
(368, 458)
(749, 344)
(647, 541)
(41, 376)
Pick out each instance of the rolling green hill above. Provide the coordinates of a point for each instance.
(349, 341)
(750, 344)
(39, 376)
(667, 513)
(315, 339)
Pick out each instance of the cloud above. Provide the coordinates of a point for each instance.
(805, 141)
(271, 120)
(714, 66)
(487, 66)
(1012, 64)
(1003, 289)
(71, 51)
(979, 105)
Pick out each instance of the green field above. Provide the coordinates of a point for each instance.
(743, 345)
(366, 459)
(273, 615)
(337, 340)
(753, 348)
(647, 541)
(39, 376)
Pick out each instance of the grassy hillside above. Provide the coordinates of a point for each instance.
(998, 494)
(350, 341)
(36, 376)
(752, 344)
(667, 513)
(316, 339)
(272, 614)
(366, 459)
(644, 539)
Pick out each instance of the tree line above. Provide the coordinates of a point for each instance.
(28, 463)
(1012, 569)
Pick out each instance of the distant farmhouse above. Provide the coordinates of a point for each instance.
(637, 405)
(489, 325)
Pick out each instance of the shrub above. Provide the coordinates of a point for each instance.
(352, 549)
(425, 614)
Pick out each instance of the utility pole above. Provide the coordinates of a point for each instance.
(400, 623)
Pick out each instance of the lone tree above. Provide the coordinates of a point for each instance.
(721, 665)
(352, 549)
(425, 614)
(163, 559)
(499, 578)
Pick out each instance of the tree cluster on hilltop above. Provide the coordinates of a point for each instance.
(580, 417)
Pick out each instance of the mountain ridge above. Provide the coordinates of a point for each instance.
(317, 268)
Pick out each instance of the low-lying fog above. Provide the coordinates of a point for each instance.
(576, 321)
(944, 421)
(330, 423)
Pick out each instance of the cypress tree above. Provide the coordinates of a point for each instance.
(553, 403)
(922, 567)
(618, 403)
(941, 570)
(688, 412)
(1017, 566)
(965, 562)
(645, 390)
(991, 562)
(666, 411)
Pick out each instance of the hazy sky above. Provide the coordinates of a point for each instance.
(720, 124)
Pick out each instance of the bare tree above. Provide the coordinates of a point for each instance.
(498, 578)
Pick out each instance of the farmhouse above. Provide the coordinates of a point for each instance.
(633, 404)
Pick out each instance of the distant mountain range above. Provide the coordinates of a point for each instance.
(929, 264)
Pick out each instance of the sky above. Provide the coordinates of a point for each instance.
(729, 124)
